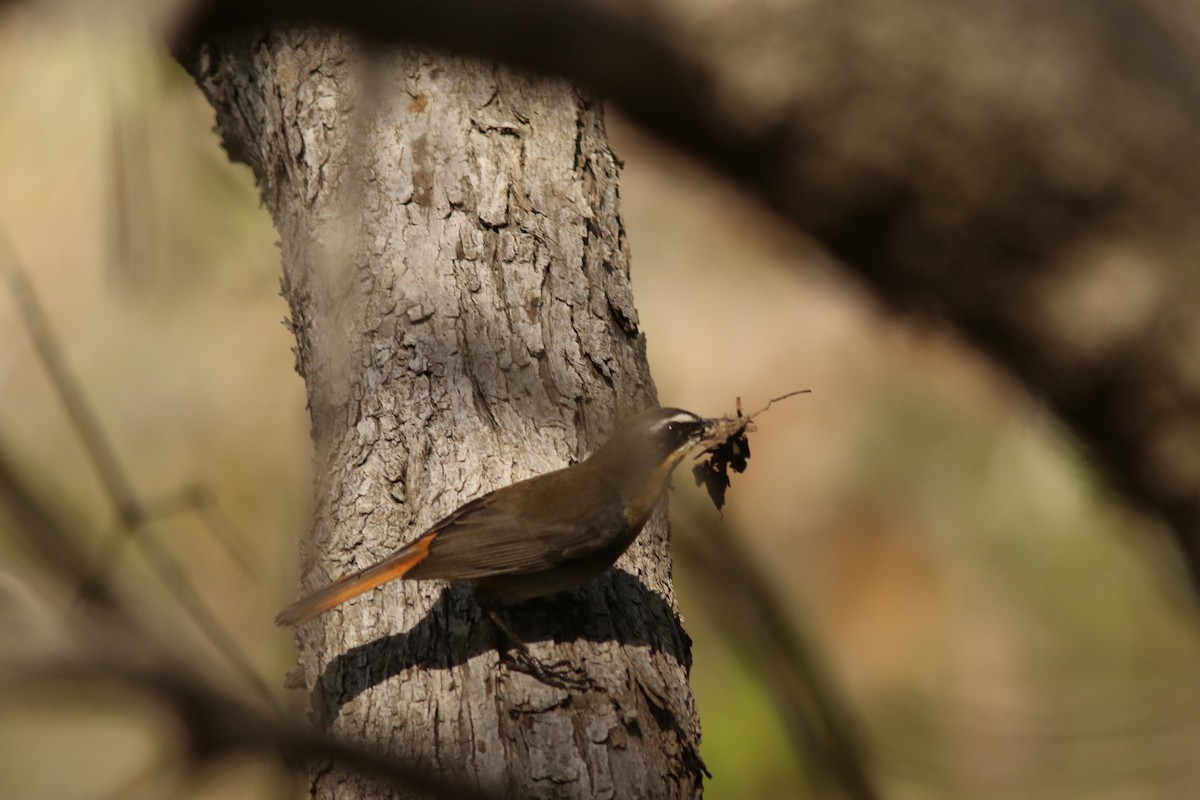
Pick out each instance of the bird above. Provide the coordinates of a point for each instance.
(542, 535)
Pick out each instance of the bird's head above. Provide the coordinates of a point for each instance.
(653, 441)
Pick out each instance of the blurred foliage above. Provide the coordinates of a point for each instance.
(1005, 627)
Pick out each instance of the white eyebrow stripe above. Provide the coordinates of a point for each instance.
(682, 416)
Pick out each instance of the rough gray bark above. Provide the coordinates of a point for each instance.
(454, 263)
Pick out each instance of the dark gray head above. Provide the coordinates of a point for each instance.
(671, 428)
(654, 437)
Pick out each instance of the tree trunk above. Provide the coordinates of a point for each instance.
(459, 289)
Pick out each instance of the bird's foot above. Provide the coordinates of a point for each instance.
(560, 675)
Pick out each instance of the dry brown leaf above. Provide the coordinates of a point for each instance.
(727, 446)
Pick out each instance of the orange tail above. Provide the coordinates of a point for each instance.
(341, 590)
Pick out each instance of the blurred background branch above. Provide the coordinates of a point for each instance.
(133, 520)
(753, 617)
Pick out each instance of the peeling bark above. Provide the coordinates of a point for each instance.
(459, 288)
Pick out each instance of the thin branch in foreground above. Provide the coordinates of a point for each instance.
(67, 385)
(46, 537)
(131, 515)
(216, 723)
(197, 499)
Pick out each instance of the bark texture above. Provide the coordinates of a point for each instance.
(459, 288)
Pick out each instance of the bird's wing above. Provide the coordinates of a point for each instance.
(485, 538)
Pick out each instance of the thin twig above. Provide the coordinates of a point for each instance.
(180, 585)
(70, 392)
(197, 499)
(217, 723)
(46, 536)
(775, 400)
(130, 513)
